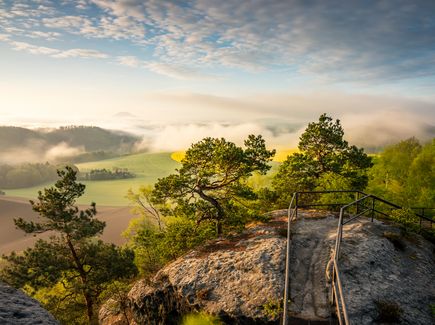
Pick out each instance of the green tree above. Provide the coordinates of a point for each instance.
(144, 207)
(421, 179)
(322, 151)
(72, 257)
(211, 184)
(405, 173)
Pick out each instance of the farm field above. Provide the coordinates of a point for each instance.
(147, 166)
(12, 239)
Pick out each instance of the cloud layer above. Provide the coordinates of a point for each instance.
(364, 41)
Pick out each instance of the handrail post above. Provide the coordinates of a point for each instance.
(373, 208)
(296, 205)
(357, 203)
(339, 234)
(287, 262)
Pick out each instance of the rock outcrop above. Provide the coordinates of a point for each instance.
(241, 279)
(16, 308)
(381, 267)
(234, 278)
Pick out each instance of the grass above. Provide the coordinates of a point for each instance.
(148, 167)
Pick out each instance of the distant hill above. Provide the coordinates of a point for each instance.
(12, 137)
(83, 139)
(93, 138)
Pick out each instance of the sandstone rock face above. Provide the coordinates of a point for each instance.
(18, 309)
(232, 278)
(374, 269)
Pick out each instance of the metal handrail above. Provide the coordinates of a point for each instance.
(337, 289)
(290, 214)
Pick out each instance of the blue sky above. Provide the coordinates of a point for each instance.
(221, 62)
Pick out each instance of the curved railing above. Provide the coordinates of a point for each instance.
(360, 208)
(290, 214)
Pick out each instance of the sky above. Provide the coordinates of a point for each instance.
(177, 71)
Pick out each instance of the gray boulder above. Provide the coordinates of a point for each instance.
(16, 308)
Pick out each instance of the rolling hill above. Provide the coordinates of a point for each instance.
(148, 167)
(19, 144)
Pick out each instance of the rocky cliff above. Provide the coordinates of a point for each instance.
(18, 309)
(241, 279)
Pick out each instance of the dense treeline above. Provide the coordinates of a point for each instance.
(405, 173)
(26, 175)
(106, 174)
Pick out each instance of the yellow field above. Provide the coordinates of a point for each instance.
(281, 154)
(178, 155)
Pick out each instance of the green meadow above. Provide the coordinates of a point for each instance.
(148, 167)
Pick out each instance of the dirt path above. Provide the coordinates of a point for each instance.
(312, 240)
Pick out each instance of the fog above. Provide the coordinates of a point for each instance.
(37, 151)
(173, 121)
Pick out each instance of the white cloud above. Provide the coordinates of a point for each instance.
(82, 4)
(75, 22)
(165, 69)
(177, 72)
(81, 53)
(129, 61)
(49, 36)
(131, 8)
(33, 49)
(56, 53)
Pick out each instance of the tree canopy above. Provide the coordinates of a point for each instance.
(72, 257)
(405, 173)
(322, 152)
(211, 184)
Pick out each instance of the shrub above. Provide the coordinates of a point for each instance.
(407, 219)
(273, 308)
(200, 319)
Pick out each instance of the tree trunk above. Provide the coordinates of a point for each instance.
(89, 308)
(219, 227)
(220, 211)
(83, 278)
